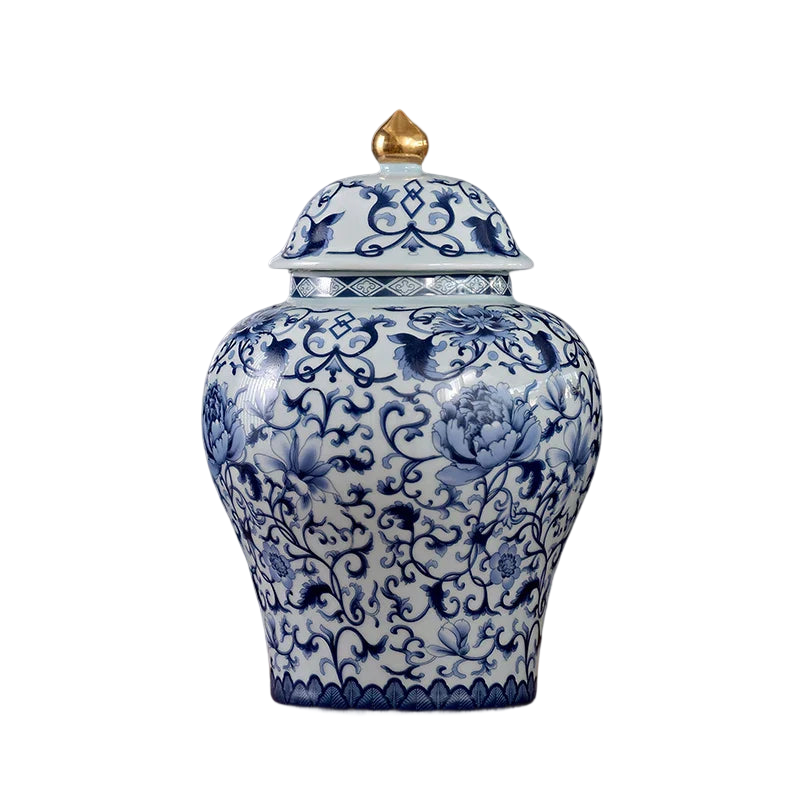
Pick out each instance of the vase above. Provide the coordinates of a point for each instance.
(402, 447)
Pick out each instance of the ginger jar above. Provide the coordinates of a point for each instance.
(402, 447)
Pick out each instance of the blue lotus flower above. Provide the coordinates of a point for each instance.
(483, 427)
(222, 432)
(454, 637)
(556, 397)
(578, 450)
(262, 401)
(474, 324)
(300, 467)
(279, 567)
(505, 565)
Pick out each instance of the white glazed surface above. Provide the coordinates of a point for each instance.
(402, 475)
(401, 220)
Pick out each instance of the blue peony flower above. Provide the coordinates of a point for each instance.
(302, 471)
(474, 324)
(455, 638)
(505, 565)
(222, 432)
(578, 445)
(279, 567)
(483, 427)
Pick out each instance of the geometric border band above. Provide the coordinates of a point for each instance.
(400, 285)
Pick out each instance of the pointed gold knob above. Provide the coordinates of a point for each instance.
(399, 140)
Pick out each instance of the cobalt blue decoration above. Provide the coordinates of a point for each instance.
(402, 449)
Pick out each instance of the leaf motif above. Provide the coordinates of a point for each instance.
(416, 355)
(387, 216)
(435, 216)
(550, 430)
(533, 473)
(439, 693)
(547, 351)
(352, 692)
(248, 474)
(354, 462)
(395, 694)
(312, 594)
(405, 515)
(436, 596)
(525, 593)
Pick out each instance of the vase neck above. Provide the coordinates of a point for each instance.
(399, 285)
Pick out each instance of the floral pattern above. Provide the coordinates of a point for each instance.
(402, 482)
(468, 324)
(299, 467)
(279, 568)
(367, 218)
(482, 428)
(222, 432)
(454, 638)
(505, 565)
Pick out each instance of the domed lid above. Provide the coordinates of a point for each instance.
(401, 219)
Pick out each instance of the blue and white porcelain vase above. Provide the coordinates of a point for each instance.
(402, 447)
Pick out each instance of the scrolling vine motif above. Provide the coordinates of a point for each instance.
(356, 217)
(402, 485)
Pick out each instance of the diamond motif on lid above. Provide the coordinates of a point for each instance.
(412, 202)
(365, 287)
(405, 286)
(498, 284)
(342, 325)
(444, 284)
(476, 284)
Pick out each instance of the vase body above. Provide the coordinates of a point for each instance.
(402, 458)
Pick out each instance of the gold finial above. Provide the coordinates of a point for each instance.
(399, 140)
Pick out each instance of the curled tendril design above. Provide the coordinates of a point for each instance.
(402, 484)
(449, 217)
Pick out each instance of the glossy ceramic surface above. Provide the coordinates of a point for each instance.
(402, 447)
(401, 219)
(402, 479)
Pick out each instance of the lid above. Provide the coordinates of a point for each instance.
(401, 218)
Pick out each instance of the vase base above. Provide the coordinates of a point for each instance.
(438, 696)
